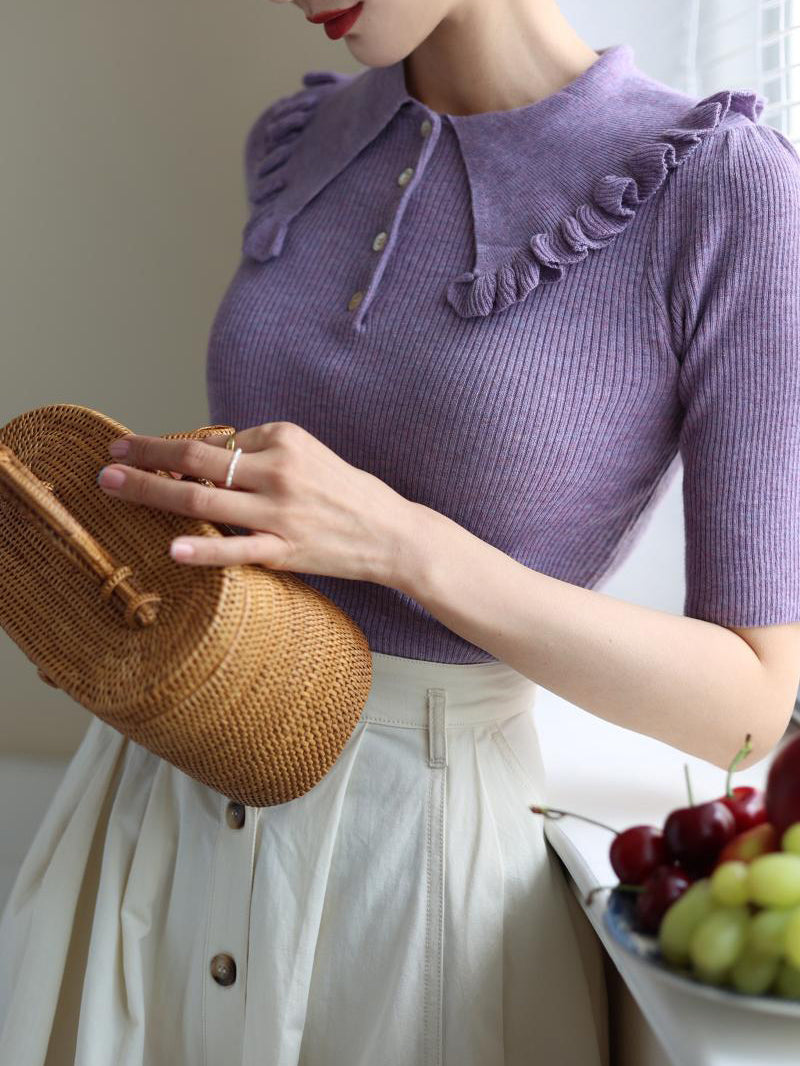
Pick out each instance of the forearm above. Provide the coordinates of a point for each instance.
(692, 684)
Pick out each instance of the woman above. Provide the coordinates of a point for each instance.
(490, 287)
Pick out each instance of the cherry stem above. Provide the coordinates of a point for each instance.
(555, 813)
(742, 753)
(688, 784)
(602, 888)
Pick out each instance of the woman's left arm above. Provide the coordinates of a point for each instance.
(696, 685)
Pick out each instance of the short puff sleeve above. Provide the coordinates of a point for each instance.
(729, 228)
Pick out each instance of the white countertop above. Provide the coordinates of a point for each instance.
(623, 778)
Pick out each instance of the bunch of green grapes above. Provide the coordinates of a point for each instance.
(741, 925)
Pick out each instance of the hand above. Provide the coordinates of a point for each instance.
(310, 511)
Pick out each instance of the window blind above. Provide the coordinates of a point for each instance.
(753, 44)
(779, 57)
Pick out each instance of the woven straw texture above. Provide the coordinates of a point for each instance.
(245, 678)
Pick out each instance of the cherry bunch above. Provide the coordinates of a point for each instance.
(659, 864)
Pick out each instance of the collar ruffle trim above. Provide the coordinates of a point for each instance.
(610, 208)
(274, 136)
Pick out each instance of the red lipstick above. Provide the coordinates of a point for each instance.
(338, 21)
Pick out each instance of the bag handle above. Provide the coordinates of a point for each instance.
(77, 543)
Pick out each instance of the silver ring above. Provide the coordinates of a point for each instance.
(232, 467)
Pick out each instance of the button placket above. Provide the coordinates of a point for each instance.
(436, 837)
(360, 300)
(228, 932)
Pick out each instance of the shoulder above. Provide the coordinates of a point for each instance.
(743, 174)
(725, 251)
(747, 156)
(734, 196)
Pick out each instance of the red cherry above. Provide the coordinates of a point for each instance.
(696, 835)
(783, 786)
(746, 846)
(636, 852)
(664, 885)
(747, 805)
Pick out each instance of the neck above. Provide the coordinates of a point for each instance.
(491, 56)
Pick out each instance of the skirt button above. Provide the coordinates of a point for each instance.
(234, 814)
(223, 969)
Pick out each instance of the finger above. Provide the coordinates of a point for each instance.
(265, 548)
(229, 506)
(252, 439)
(187, 455)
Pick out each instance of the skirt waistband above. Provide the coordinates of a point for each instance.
(468, 693)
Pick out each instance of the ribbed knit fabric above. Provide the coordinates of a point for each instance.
(571, 298)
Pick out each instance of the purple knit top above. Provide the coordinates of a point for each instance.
(528, 320)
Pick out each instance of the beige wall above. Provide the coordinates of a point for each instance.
(121, 208)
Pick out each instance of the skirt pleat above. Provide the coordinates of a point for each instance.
(405, 911)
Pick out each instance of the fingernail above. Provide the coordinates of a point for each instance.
(179, 549)
(119, 448)
(110, 479)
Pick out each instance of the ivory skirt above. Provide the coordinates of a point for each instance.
(407, 911)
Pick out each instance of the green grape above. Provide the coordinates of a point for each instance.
(718, 940)
(681, 918)
(730, 883)
(713, 977)
(767, 932)
(792, 938)
(774, 879)
(787, 983)
(790, 841)
(753, 973)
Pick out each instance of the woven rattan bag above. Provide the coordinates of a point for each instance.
(245, 678)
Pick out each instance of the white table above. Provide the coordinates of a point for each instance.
(623, 778)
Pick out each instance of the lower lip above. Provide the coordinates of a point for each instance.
(338, 27)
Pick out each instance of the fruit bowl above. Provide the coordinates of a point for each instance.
(618, 919)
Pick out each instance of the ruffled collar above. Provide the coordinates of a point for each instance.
(549, 181)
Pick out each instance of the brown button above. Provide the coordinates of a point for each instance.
(234, 814)
(355, 300)
(223, 969)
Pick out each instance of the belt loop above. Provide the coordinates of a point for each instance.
(437, 732)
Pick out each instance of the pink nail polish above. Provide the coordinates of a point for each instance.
(110, 478)
(181, 551)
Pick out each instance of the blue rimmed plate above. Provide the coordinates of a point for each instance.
(618, 918)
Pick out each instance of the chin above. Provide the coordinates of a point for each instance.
(379, 49)
(370, 54)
